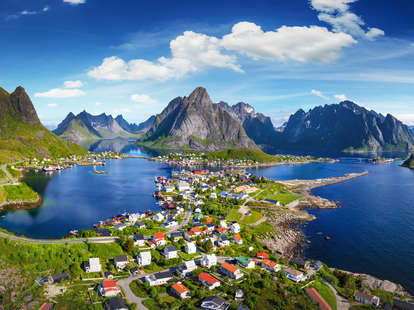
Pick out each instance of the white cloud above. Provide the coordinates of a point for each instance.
(337, 14)
(301, 44)
(73, 84)
(26, 12)
(75, 2)
(61, 93)
(52, 105)
(191, 52)
(405, 118)
(319, 94)
(46, 8)
(143, 98)
(341, 97)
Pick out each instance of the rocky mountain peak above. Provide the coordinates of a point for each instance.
(23, 106)
(199, 96)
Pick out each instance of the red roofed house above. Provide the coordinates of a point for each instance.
(270, 265)
(159, 239)
(208, 280)
(180, 290)
(262, 255)
(196, 230)
(317, 298)
(231, 271)
(188, 235)
(108, 288)
(237, 239)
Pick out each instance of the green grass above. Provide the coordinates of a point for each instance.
(233, 215)
(151, 304)
(284, 198)
(19, 193)
(243, 154)
(138, 289)
(326, 293)
(186, 256)
(252, 218)
(105, 250)
(260, 229)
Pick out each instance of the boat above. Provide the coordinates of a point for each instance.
(48, 169)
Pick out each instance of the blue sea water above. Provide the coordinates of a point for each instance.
(372, 231)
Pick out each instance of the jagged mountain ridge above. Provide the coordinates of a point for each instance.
(344, 127)
(196, 122)
(85, 126)
(258, 127)
(22, 134)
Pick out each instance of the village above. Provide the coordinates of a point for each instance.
(201, 251)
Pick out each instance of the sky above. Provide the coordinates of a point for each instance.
(132, 57)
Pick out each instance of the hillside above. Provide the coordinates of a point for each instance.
(409, 162)
(194, 122)
(344, 127)
(85, 128)
(22, 134)
(254, 154)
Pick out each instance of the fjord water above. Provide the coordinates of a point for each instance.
(372, 232)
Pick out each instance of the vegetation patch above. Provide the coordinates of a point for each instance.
(326, 293)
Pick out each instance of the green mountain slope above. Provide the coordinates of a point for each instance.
(21, 133)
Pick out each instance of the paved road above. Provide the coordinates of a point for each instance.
(12, 181)
(341, 303)
(59, 241)
(183, 223)
(129, 295)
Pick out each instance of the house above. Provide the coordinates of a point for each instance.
(237, 239)
(213, 196)
(186, 268)
(93, 265)
(262, 255)
(270, 265)
(159, 217)
(223, 241)
(170, 252)
(190, 248)
(245, 262)
(223, 224)
(365, 297)
(208, 280)
(197, 210)
(140, 225)
(168, 188)
(180, 290)
(301, 263)
(294, 275)
(223, 194)
(108, 288)
(235, 227)
(196, 231)
(159, 278)
(159, 239)
(120, 262)
(139, 240)
(209, 261)
(151, 244)
(239, 295)
(189, 235)
(115, 303)
(109, 275)
(120, 226)
(317, 298)
(317, 265)
(175, 236)
(214, 303)
(222, 230)
(144, 258)
(182, 186)
(210, 227)
(134, 271)
(231, 271)
(59, 277)
(133, 217)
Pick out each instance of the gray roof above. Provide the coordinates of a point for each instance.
(120, 259)
(163, 275)
(171, 248)
(115, 303)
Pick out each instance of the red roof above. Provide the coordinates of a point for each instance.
(229, 267)
(220, 229)
(159, 235)
(46, 306)
(316, 297)
(204, 276)
(237, 238)
(180, 288)
(109, 284)
(196, 229)
(209, 220)
(262, 255)
(269, 263)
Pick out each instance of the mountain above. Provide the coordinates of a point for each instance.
(22, 134)
(258, 127)
(409, 162)
(344, 127)
(195, 122)
(86, 127)
(411, 128)
(146, 125)
(134, 128)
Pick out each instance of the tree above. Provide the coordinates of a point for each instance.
(208, 246)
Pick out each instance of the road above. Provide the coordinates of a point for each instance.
(59, 241)
(183, 223)
(341, 303)
(12, 181)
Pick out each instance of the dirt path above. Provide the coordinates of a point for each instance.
(341, 303)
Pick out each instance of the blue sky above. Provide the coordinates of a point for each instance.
(133, 57)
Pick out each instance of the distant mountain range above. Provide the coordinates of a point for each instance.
(344, 127)
(86, 127)
(22, 135)
(195, 122)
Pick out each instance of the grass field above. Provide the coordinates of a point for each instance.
(21, 192)
(283, 198)
(252, 218)
(234, 215)
(138, 289)
(326, 293)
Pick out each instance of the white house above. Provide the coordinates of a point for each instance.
(93, 265)
(158, 217)
(186, 268)
(182, 186)
(144, 258)
(120, 226)
(180, 290)
(197, 210)
(108, 288)
(168, 188)
(139, 240)
(223, 242)
(170, 252)
(132, 218)
(190, 248)
(213, 196)
(209, 261)
(235, 227)
(223, 224)
(120, 262)
(365, 297)
(294, 275)
(159, 278)
(159, 239)
(231, 271)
